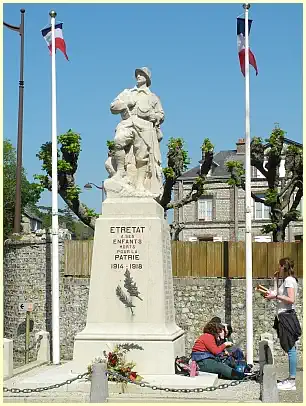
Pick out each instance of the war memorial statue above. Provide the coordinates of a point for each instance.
(135, 166)
(131, 260)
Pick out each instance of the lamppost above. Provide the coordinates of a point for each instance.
(89, 186)
(20, 29)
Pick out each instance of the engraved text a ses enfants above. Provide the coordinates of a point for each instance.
(127, 250)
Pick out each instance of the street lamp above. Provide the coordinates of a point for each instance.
(89, 186)
(20, 29)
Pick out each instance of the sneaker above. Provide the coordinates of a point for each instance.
(253, 376)
(248, 368)
(287, 385)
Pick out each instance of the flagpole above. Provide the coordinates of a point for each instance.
(248, 199)
(17, 216)
(55, 256)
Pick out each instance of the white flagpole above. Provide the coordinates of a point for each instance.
(248, 199)
(55, 257)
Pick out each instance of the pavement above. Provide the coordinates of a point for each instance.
(290, 396)
(245, 392)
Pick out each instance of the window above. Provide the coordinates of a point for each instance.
(255, 172)
(205, 239)
(261, 212)
(205, 209)
(35, 225)
(262, 238)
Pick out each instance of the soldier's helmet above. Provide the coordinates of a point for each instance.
(145, 72)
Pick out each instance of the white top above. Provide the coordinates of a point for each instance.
(289, 282)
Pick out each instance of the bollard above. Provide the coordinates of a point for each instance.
(7, 358)
(265, 355)
(99, 383)
(43, 353)
(269, 393)
(268, 337)
(27, 337)
(265, 352)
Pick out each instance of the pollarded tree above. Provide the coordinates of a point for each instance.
(68, 155)
(283, 194)
(178, 162)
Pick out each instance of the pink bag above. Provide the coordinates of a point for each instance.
(193, 369)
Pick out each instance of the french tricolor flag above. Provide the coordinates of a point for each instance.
(241, 46)
(59, 39)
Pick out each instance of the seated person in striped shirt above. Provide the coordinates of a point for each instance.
(205, 350)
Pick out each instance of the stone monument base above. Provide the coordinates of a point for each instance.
(157, 357)
(131, 288)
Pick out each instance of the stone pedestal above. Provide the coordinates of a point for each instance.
(132, 239)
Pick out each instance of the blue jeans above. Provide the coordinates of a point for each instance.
(292, 362)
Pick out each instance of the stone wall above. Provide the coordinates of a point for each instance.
(27, 278)
(197, 300)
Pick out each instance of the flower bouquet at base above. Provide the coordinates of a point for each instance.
(116, 362)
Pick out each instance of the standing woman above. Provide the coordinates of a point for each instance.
(286, 322)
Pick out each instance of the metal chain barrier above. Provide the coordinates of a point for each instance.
(124, 378)
(196, 390)
(44, 388)
(32, 347)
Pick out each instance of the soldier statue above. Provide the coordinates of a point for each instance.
(135, 165)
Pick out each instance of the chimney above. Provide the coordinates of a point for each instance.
(240, 144)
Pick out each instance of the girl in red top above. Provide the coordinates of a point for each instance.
(205, 349)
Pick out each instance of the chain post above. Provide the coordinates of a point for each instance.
(27, 337)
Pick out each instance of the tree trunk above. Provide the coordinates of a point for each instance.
(176, 234)
(280, 232)
(175, 230)
(277, 219)
(279, 235)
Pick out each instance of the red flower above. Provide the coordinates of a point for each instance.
(133, 376)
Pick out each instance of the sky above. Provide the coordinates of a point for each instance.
(191, 50)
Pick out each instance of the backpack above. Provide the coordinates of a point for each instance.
(234, 359)
(182, 366)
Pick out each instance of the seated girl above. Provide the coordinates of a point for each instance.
(206, 350)
(234, 351)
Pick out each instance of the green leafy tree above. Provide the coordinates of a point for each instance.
(30, 192)
(282, 195)
(68, 154)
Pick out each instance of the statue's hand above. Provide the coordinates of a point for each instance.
(152, 118)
